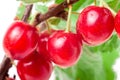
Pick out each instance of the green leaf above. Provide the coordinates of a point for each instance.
(41, 8)
(109, 52)
(115, 5)
(33, 1)
(111, 45)
(58, 1)
(95, 63)
(54, 21)
(81, 4)
(108, 64)
(61, 24)
(90, 67)
(20, 11)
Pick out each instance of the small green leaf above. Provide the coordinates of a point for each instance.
(54, 21)
(20, 11)
(89, 67)
(115, 5)
(58, 1)
(33, 1)
(81, 4)
(111, 45)
(61, 24)
(41, 8)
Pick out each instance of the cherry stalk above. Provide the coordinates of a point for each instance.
(27, 13)
(4, 67)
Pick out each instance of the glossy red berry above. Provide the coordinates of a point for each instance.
(95, 25)
(64, 48)
(34, 67)
(42, 44)
(117, 23)
(20, 40)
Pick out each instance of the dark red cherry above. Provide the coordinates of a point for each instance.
(64, 48)
(34, 67)
(117, 23)
(95, 25)
(20, 40)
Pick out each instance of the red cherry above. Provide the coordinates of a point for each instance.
(34, 67)
(42, 44)
(117, 23)
(64, 48)
(20, 40)
(95, 25)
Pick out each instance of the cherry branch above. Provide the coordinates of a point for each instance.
(6, 63)
(53, 12)
(27, 12)
(56, 11)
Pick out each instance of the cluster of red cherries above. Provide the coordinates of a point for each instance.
(36, 51)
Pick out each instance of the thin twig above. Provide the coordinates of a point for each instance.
(5, 65)
(27, 12)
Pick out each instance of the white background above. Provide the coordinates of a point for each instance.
(8, 10)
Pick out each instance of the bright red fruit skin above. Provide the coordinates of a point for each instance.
(42, 44)
(117, 23)
(64, 48)
(95, 25)
(20, 40)
(34, 67)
